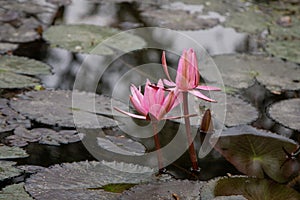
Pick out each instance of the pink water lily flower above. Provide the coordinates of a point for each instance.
(153, 104)
(187, 78)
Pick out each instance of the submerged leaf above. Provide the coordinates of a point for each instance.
(257, 152)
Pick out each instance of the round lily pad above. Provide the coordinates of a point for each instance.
(239, 71)
(14, 192)
(86, 39)
(257, 153)
(84, 180)
(286, 112)
(9, 80)
(55, 108)
(169, 190)
(121, 145)
(7, 170)
(22, 65)
(7, 152)
(254, 189)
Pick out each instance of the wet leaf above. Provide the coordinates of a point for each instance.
(254, 189)
(22, 65)
(188, 190)
(55, 108)
(83, 180)
(239, 71)
(286, 112)
(7, 170)
(257, 153)
(14, 192)
(121, 145)
(86, 39)
(12, 152)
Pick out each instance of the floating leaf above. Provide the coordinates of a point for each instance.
(254, 189)
(7, 170)
(86, 39)
(288, 49)
(14, 192)
(121, 145)
(55, 108)
(257, 153)
(84, 180)
(239, 71)
(12, 152)
(188, 190)
(6, 47)
(22, 65)
(11, 80)
(286, 112)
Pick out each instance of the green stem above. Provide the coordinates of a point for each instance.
(157, 146)
(192, 151)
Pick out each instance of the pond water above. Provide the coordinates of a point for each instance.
(216, 40)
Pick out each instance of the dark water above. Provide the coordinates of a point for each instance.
(218, 40)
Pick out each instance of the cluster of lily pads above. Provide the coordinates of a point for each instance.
(269, 162)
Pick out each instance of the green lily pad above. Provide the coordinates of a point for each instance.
(286, 112)
(169, 190)
(254, 189)
(7, 152)
(84, 180)
(14, 192)
(7, 170)
(86, 38)
(10, 80)
(288, 49)
(239, 71)
(22, 65)
(258, 153)
(55, 108)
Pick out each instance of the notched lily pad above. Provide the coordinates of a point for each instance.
(188, 190)
(14, 192)
(7, 170)
(84, 180)
(22, 65)
(86, 39)
(55, 108)
(258, 153)
(286, 112)
(121, 145)
(254, 189)
(7, 152)
(239, 71)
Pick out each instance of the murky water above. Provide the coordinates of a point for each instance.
(217, 40)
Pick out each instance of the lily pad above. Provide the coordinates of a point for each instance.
(239, 71)
(287, 49)
(170, 190)
(6, 47)
(257, 153)
(55, 108)
(84, 180)
(86, 39)
(286, 112)
(121, 145)
(7, 170)
(14, 192)
(22, 65)
(254, 189)
(7, 152)
(9, 80)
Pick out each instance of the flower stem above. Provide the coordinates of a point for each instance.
(192, 151)
(157, 146)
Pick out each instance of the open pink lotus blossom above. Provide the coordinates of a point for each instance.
(154, 102)
(187, 78)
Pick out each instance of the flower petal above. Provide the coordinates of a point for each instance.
(164, 64)
(169, 83)
(139, 107)
(130, 114)
(201, 96)
(207, 88)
